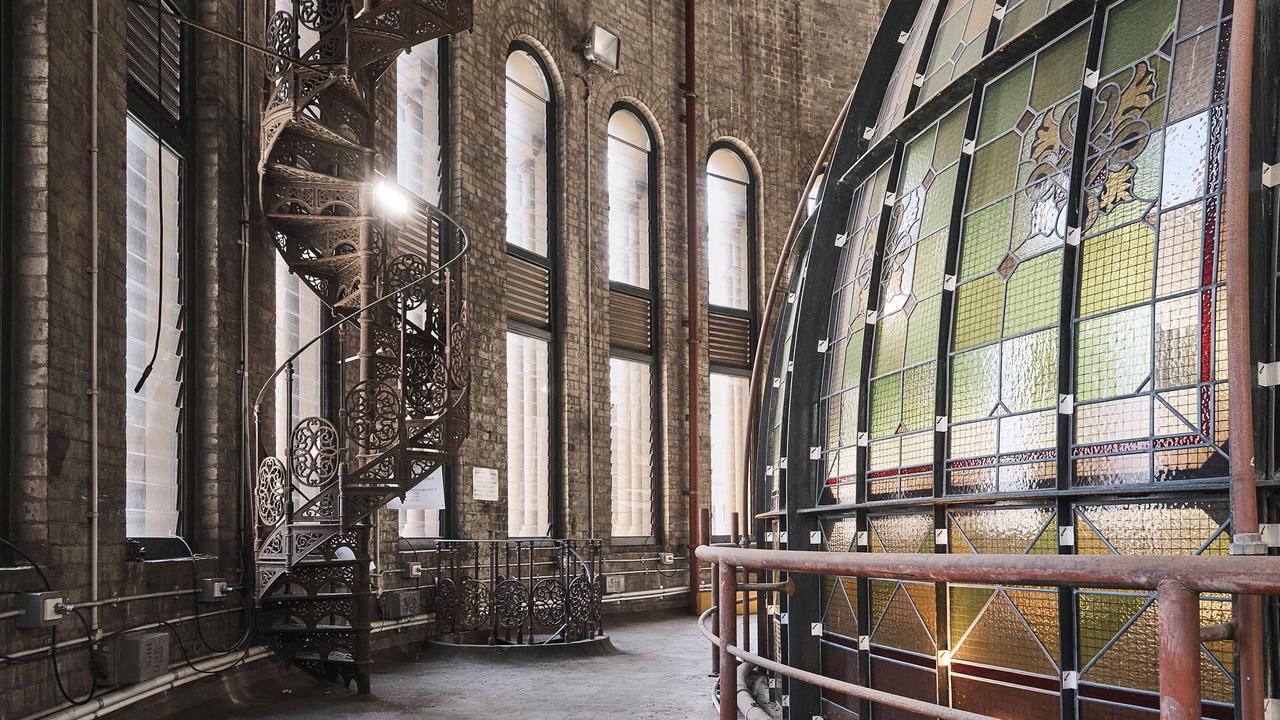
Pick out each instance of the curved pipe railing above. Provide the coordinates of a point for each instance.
(1177, 582)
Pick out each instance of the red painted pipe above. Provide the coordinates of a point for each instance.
(726, 614)
(1179, 611)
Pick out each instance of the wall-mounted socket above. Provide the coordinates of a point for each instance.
(212, 590)
(667, 558)
(415, 569)
(39, 609)
(615, 583)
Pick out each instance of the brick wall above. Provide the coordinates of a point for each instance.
(772, 77)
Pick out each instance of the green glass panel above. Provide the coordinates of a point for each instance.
(979, 306)
(950, 136)
(886, 405)
(1113, 354)
(985, 240)
(1135, 29)
(950, 35)
(917, 396)
(1034, 291)
(853, 359)
(966, 603)
(938, 201)
(917, 159)
(1059, 69)
(1029, 371)
(890, 343)
(1004, 102)
(922, 330)
(930, 260)
(975, 383)
(1117, 269)
(1019, 18)
(995, 169)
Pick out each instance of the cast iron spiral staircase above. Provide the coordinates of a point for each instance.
(392, 277)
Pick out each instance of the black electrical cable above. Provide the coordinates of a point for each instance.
(53, 638)
(186, 657)
(155, 346)
(195, 610)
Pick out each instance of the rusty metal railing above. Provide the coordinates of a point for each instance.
(1177, 582)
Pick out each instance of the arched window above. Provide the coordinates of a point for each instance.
(531, 388)
(731, 321)
(633, 282)
(421, 113)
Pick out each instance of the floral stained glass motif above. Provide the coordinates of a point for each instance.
(958, 45)
(1150, 376)
(1004, 361)
(1118, 630)
(904, 360)
(841, 399)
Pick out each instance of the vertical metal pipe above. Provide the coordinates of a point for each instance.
(738, 538)
(1244, 507)
(94, 233)
(715, 601)
(693, 279)
(1179, 610)
(726, 616)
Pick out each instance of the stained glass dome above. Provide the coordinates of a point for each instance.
(1005, 334)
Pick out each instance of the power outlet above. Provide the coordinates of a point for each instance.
(614, 583)
(212, 590)
(415, 569)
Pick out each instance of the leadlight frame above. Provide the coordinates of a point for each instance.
(816, 305)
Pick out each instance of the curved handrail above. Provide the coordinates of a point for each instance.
(462, 250)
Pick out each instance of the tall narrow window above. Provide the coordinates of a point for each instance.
(731, 322)
(633, 282)
(298, 320)
(531, 257)
(420, 168)
(528, 435)
(153, 327)
(419, 140)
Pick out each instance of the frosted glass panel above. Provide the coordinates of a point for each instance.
(418, 149)
(527, 154)
(728, 239)
(631, 398)
(629, 222)
(152, 415)
(528, 436)
(728, 426)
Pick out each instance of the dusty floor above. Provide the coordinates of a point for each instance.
(658, 671)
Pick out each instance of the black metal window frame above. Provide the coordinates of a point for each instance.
(177, 136)
(554, 333)
(657, 532)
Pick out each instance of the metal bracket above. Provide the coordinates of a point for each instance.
(1066, 535)
(822, 346)
(815, 452)
(864, 642)
(862, 538)
(889, 199)
(940, 536)
(868, 132)
(1091, 79)
(1270, 175)
(944, 658)
(841, 239)
(782, 463)
(872, 317)
(967, 147)
(949, 283)
(815, 629)
(782, 537)
(864, 439)
(1073, 236)
(1070, 680)
(784, 618)
(777, 383)
(1271, 709)
(918, 80)
(815, 537)
(998, 12)
(940, 423)
(1066, 404)
(902, 37)
(1269, 374)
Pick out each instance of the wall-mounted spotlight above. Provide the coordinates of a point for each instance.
(603, 48)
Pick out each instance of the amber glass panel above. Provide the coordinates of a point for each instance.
(903, 614)
(1005, 338)
(1149, 376)
(1118, 630)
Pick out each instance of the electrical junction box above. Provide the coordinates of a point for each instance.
(667, 558)
(212, 590)
(132, 658)
(400, 604)
(614, 583)
(39, 609)
(415, 569)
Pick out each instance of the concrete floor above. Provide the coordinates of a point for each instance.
(658, 671)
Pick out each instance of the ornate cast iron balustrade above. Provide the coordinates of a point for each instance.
(504, 592)
(390, 272)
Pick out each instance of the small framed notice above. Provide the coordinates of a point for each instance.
(484, 484)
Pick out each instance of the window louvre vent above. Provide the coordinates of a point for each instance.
(729, 340)
(528, 296)
(163, 87)
(630, 321)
